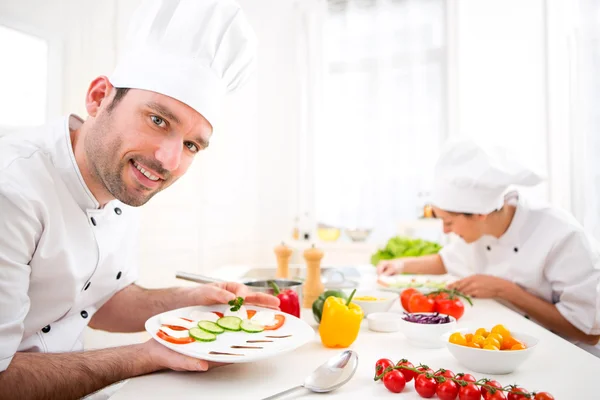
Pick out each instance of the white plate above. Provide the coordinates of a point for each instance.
(301, 333)
(423, 283)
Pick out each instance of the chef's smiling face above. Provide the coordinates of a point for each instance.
(469, 227)
(140, 144)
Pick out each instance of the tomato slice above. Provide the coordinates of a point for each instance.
(188, 320)
(251, 313)
(279, 320)
(173, 340)
(219, 314)
(176, 328)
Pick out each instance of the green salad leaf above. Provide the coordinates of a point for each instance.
(400, 246)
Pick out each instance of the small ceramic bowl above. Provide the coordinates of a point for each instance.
(384, 321)
(374, 301)
(427, 336)
(491, 361)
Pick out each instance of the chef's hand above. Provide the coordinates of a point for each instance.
(222, 293)
(389, 267)
(161, 357)
(482, 286)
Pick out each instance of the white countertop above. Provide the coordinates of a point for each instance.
(542, 371)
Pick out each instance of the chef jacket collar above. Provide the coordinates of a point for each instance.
(512, 236)
(64, 161)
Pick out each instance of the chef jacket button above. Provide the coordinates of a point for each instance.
(93, 221)
(84, 314)
(516, 249)
(118, 211)
(489, 248)
(46, 329)
(87, 286)
(119, 275)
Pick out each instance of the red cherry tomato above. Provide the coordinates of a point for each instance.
(498, 395)
(485, 393)
(408, 374)
(382, 364)
(419, 303)
(425, 386)
(543, 396)
(447, 390)
(446, 373)
(469, 392)
(423, 370)
(465, 377)
(405, 297)
(453, 307)
(515, 394)
(394, 381)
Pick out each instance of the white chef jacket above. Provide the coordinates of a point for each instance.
(61, 256)
(546, 252)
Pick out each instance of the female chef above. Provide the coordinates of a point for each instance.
(536, 257)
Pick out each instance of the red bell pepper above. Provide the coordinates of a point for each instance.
(289, 302)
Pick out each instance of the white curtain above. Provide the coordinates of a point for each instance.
(381, 113)
(586, 115)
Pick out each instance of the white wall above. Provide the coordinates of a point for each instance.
(241, 196)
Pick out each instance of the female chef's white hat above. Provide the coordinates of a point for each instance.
(194, 51)
(471, 178)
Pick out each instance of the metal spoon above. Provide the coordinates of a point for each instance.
(329, 376)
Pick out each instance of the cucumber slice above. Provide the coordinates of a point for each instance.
(230, 323)
(202, 336)
(210, 327)
(251, 327)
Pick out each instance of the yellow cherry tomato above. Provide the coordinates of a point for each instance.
(482, 332)
(490, 347)
(518, 346)
(496, 336)
(469, 337)
(474, 345)
(501, 329)
(458, 338)
(491, 342)
(478, 339)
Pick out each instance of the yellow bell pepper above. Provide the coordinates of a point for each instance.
(340, 322)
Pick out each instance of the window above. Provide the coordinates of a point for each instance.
(23, 79)
(383, 115)
(586, 115)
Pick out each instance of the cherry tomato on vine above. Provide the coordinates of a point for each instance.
(405, 297)
(485, 393)
(394, 381)
(514, 394)
(423, 370)
(498, 395)
(469, 392)
(382, 364)
(446, 373)
(543, 396)
(425, 386)
(408, 374)
(447, 390)
(465, 377)
(420, 303)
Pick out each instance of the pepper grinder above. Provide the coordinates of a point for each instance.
(283, 254)
(313, 287)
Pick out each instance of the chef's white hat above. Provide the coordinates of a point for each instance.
(194, 51)
(472, 178)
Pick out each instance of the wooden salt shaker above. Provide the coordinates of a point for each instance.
(313, 287)
(283, 254)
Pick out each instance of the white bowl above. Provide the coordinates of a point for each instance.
(492, 361)
(386, 301)
(384, 321)
(429, 336)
